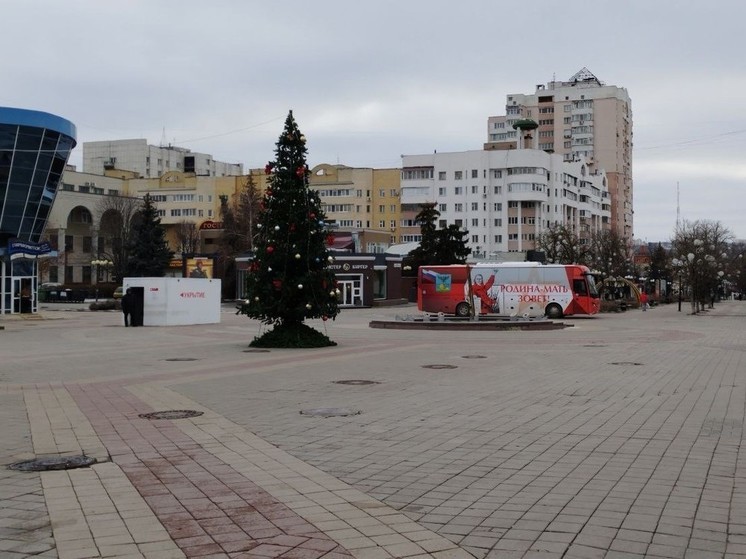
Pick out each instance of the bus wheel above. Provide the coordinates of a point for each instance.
(462, 309)
(553, 311)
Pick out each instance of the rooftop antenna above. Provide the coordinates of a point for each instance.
(163, 137)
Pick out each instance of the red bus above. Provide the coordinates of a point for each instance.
(525, 289)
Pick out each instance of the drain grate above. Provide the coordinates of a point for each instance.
(628, 363)
(439, 366)
(474, 357)
(256, 351)
(356, 382)
(53, 463)
(182, 359)
(171, 414)
(330, 412)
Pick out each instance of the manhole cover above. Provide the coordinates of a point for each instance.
(439, 366)
(356, 382)
(474, 356)
(171, 414)
(626, 363)
(182, 359)
(256, 351)
(54, 463)
(330, 412)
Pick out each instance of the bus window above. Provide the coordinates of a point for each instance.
(592, 289)
(579, 287)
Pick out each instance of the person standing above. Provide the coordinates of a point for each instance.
(644, 301)
(127, 302)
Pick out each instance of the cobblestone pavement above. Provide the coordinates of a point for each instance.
(619, 437)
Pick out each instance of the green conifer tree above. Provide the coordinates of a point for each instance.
(289, 279)
(149, 255)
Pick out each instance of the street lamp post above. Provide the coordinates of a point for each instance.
(98, 264)
(678, 264)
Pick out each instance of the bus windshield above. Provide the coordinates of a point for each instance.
(592, 290)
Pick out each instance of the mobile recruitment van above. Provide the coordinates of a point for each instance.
(526, 289)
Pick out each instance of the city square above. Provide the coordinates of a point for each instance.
(618, 436)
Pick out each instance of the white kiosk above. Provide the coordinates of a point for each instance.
(177, 301)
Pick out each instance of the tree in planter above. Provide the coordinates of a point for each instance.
(149, 255)
(289, 280)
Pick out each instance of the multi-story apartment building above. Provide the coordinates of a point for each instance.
(581, 119)
(150, 161)
(360, 201)
(505, 198)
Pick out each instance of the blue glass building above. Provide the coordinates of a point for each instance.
(34, 149)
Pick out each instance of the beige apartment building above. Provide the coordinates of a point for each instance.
(361, 203)
(581, 119)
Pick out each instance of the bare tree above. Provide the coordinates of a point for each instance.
(187, 236)
(608, 253)
(561, 245)
(239, 216)
(117, 216)
(700, 249)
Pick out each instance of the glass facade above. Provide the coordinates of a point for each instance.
(34, 149)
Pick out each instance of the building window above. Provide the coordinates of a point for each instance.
(458, 191)
(53, 274)
(475, 190)
(382, 224)
(441, 175)
(392, 224)
(498, 206)
(68, 274)
(475, 206)
(458, 208)
(512, 221)
(475, 222)
(498, 222)
(475, 238)
(69, 243)
(442, 224)
(498, 238)
(87, 244)
(392, 208)
(442, 207)
(498, 190)
(475, 173)
(441, 191)
(382, 192)
(382, 209)
(458, 175)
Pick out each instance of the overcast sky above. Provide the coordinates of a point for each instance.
(369, 81)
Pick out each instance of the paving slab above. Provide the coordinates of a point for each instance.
(617, 436)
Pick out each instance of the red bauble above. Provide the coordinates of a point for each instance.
(330, 240)
(300, 172)
(292, 227)
(277, 284)
(324, 318)
(312, 215)
(270, 249)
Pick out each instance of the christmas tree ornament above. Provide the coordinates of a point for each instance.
(330, 259)
(308, 306)
(256, 298)
(297, 256)
(270, 249)
(333, 293)
(269, 269)
(324, 318)
(300, 172)
(277, 227)
(258, 225)
(300, 286)
(303, 139)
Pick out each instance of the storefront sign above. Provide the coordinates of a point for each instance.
(210, 225)
(26, 249)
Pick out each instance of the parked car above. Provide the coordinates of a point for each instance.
(118, 292)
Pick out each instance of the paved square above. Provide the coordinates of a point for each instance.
(617, 437)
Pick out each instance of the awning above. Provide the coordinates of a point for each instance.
(342, 242)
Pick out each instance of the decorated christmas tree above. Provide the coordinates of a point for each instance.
(288, 280)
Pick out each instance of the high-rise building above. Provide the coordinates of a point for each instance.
(152, 161)
(582, 119)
